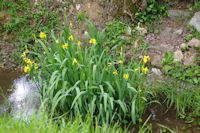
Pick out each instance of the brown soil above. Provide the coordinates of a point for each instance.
(168, 40)
(98, 13)
(94, 10)
(5, 54)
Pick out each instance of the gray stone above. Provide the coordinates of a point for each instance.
(195, 43)
(71, 9)
(162, 48)
(78, 6)
(144, 4)
(137, 44)
(156, 60)
(128, 31)
(36, 2)
(195, 21)
(189, 57)
(183, 46)
(178, 55)
(175, 14)
(178, 32)
(167, 32)
(142, 31)
(86, 33)
(156, 71)
(123, 37)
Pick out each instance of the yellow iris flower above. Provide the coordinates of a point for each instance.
(107, 68)
(65, 46)
(36, 41)
(144, 70)
(43, 35)
(145, 59)
(79, 42)
(70, 38)
(70, 24)
(27, 68)
(125, 76)
(26, 60)
(74, 61)
(137, 69)
(115, 72)
(57, 41)
(35, 66)
(23, 55)
(109, 64)
(121, 51)
(120, 61)
(93, 41)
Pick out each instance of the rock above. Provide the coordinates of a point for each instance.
(128, 31)
(161, 48)
(137, 44)
(123, 37)
(144, 5)
(183, 46)
(156, 71)
(189, 57)
(78, 6)
(86, 33)
(156, 60)
(178, 32)
(195, 43)
(175, 14)
(178, 55)
(142, 31)
(166, 31)
(36, 2)
(195, 21)
(71, 9)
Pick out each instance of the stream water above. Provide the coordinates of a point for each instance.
(24, 95)
(19, 94)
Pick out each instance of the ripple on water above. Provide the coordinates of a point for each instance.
(24, 97)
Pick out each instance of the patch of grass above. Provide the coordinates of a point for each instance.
(184, 98)
(41, 123)
(153, 11)
(81, 16)
(193, 33)
(23, 23)
(114, 32)
(177, 70)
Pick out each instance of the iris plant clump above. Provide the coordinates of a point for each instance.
(83, 78)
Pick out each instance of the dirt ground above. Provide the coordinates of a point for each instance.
(98, 12)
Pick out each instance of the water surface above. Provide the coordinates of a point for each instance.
(7, 78)
(19, 95)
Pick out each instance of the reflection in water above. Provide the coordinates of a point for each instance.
(168, 117)
(25, 97)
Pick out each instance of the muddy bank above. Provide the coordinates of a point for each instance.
(162, 116)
